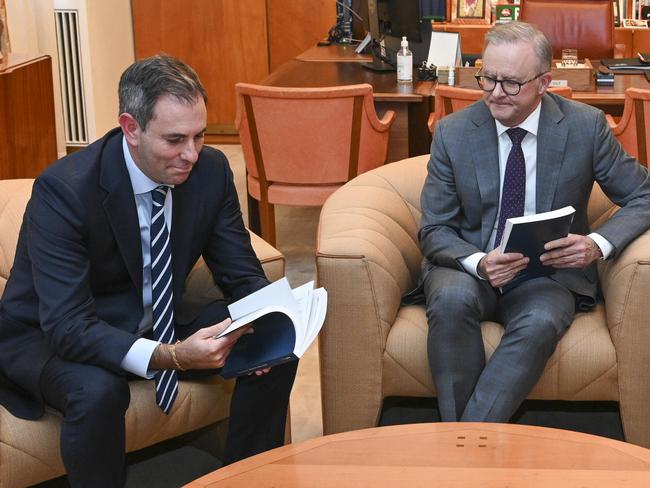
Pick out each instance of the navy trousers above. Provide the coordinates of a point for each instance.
(94, 401)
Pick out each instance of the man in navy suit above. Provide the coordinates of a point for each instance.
(76, 314)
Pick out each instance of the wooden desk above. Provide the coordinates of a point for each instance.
(443, 454)
(27, 128)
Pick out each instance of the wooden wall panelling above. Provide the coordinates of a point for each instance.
(225, 41)
(27, 127)
(296, 25)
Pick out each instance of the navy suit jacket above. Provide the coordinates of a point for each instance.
(75, 289)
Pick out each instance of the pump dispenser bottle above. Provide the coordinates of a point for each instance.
(404, 63)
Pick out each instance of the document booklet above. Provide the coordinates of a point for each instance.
(529, 233)
(285, 321)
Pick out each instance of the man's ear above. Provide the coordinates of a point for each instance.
(130, 128)
(545, 79)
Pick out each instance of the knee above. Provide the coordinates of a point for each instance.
(102, 395)
(453, 300)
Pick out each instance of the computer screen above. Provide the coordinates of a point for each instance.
(389, 20)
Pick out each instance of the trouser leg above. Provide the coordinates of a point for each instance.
(258, 409)
(456, 302)
(93, 402)
(258, 412)
(534, 315)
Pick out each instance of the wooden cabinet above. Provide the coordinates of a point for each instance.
(27, 128)
(227, 41)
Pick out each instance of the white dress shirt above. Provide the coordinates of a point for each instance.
(529, 148)
(137, 359)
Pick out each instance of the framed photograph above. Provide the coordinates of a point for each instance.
(470, 11)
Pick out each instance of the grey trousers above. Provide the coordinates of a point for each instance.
(534, 315)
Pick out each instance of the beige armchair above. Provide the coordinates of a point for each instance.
(371, 347)
(29, 450)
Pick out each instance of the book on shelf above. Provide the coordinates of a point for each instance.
(528, 234)
(285, 322)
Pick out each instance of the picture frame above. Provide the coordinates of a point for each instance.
(470, 11)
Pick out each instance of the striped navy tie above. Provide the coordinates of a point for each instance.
(161, 296)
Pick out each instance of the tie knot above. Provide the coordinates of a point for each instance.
(158, 194)
(517, 135)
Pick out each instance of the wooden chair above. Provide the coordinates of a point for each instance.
(587, 25)
(450, 99)
(301, 144)
(633, 131)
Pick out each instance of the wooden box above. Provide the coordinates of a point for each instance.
(465, 77)
(580, 79)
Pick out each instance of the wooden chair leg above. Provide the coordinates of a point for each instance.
(267, 220)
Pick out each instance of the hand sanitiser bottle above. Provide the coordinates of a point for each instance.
(404, 63)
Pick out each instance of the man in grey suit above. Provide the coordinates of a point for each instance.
(518, 151)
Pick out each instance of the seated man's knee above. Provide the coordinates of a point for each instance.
(459, 297)
(102, 394)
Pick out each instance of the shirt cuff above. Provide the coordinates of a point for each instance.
(605, 246)
(137, 359)
(470, 263)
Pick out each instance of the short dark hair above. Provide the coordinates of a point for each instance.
(145, 81)
(513, 32)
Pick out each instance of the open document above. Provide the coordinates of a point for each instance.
(285, 321)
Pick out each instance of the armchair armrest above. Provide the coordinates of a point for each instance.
(625, 284)
(610, 121)
(367, 259)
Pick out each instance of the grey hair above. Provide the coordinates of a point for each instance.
(513, 32)
(145, 81)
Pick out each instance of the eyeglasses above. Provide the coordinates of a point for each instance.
(509, 87)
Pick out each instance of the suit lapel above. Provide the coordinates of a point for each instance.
(119, 205)
(485, 152)
(551, 142)
(185, 203)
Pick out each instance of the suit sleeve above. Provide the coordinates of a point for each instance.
(626, 183)
(439, 236)
(229, 253)
(61, 266)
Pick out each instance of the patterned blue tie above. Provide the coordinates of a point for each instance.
(513, 194)
(161, 296)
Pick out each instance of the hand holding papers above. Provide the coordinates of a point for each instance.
(286, 322)
(527, 235)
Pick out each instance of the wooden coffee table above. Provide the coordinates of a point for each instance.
(443, 454)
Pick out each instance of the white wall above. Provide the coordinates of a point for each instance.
(106, 32)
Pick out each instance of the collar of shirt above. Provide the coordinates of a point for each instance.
(531, 124)
(140, 182)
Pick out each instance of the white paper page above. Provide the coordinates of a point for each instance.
(316, 320)
(277, 293)
(248, 318)
(302, 295)
(444, 49)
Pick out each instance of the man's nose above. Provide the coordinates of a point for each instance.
(190, 152)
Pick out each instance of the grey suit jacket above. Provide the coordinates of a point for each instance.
(575, 148)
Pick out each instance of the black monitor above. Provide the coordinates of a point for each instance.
(388, 21)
